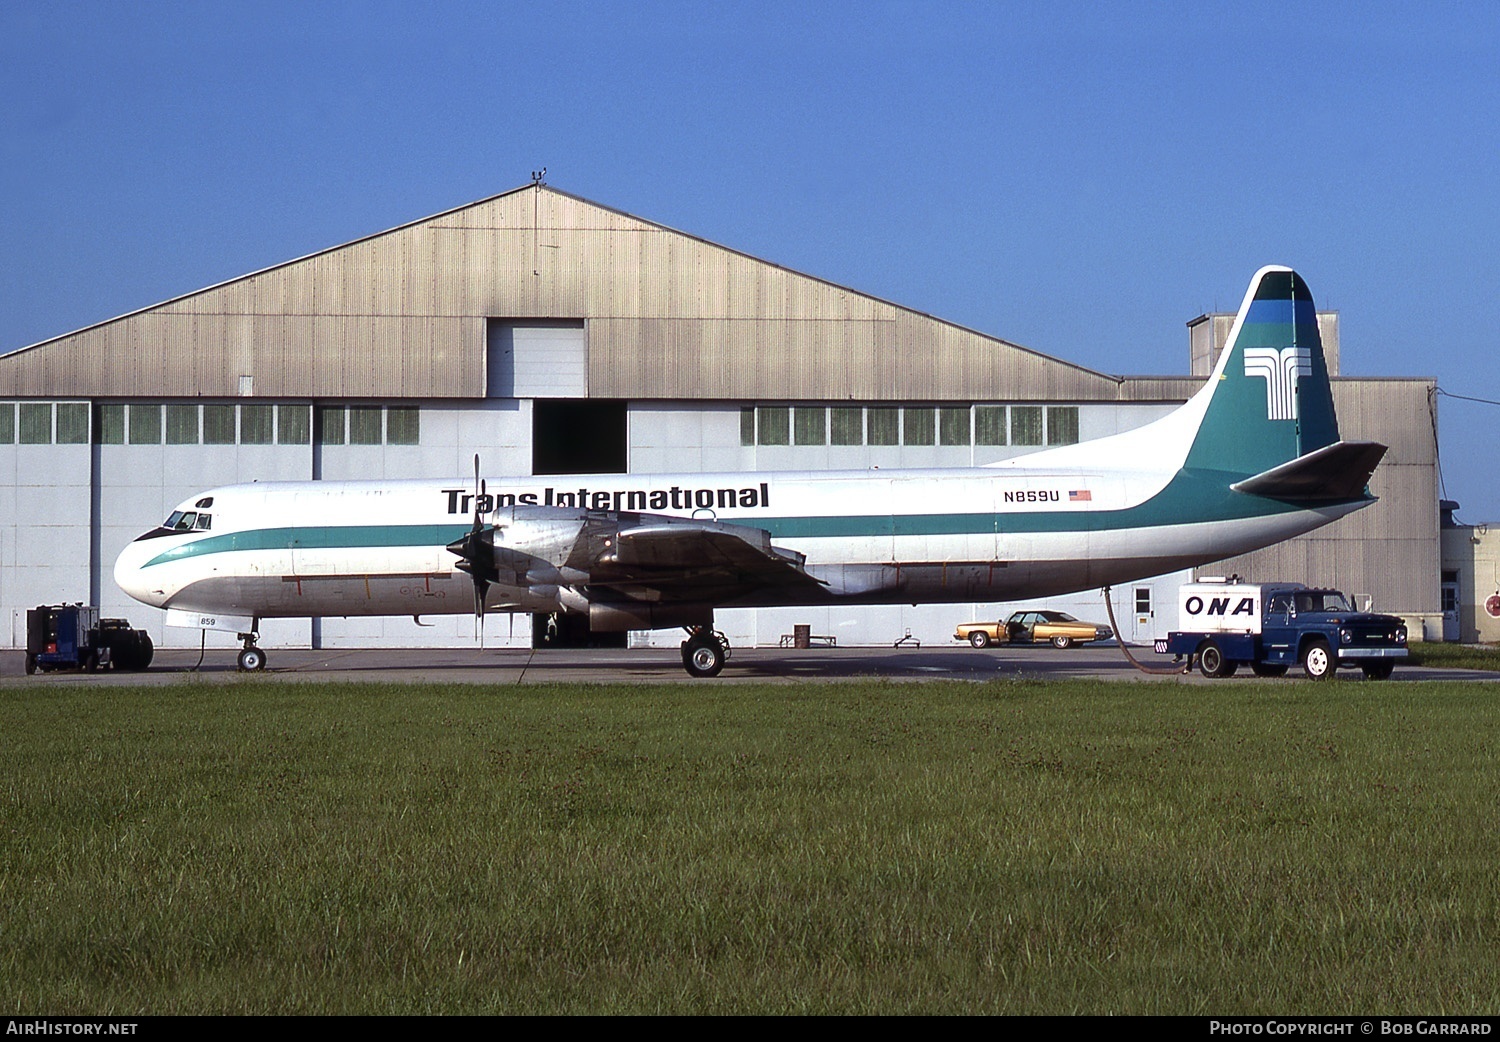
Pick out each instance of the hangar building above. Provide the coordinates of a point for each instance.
(552, 335)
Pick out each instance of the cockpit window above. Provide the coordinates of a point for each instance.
(204, 503)
(187, 521)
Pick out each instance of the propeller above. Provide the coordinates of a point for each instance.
(477, 554)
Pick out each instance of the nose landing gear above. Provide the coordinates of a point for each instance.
(252, 659)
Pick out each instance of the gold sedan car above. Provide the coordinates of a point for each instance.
(1033, 627)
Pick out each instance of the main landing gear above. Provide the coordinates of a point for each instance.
(705, 651)
(252, 659)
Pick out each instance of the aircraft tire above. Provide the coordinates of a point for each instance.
(1211, 661)
(1062, 643)
(703, 657)
(30, 665)
(1318, 662)
(979, 639)
(252, 660)
(1379, 670)
(1267, 669)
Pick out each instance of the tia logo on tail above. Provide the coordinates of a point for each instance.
(1280, 369)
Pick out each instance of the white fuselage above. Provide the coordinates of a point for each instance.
(995, 533)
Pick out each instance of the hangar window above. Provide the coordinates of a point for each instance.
(218, 425)
(953, 425)
(145, 424)
(182, 425)
(885, 426)
(918, 427)
(72, 423)
(847, 426)
(773, 425)
(1062, 425)
(747, 425)
(7, 423)
(36, 423)
(403, 426)
(811, 427)
(990, 425)
(364, 425)
(111, 428)
(351, 425)
(293, 425)
(331, 425)
(1026, 425)
(255, 424)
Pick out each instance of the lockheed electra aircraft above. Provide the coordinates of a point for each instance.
(1251, 459)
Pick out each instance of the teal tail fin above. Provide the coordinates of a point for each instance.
(1271, 397)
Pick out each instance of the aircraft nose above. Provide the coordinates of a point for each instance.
(134, 579)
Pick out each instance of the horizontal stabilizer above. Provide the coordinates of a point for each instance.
(1335, 472)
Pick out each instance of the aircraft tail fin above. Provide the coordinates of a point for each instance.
(1269, 400)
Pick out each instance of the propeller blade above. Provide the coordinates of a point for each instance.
(473, 544)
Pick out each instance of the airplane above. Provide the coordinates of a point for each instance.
(1253, 458)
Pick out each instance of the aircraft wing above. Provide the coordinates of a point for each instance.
(693, 560)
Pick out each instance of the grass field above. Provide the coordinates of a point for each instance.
(1455, 656)
(1014, 847)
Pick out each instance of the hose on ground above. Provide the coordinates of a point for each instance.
(1120, 640)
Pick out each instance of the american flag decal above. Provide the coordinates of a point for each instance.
(1080, 496)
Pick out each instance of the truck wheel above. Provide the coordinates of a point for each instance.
(1062, 642)
(979, 639)
(1267, 669)
(1211, 660)
(1379, 670)
(1318, 662)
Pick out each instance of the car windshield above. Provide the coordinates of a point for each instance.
(1322, 600)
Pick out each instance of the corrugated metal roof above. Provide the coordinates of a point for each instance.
(401, 314)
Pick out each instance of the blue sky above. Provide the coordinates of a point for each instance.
(1078, 178)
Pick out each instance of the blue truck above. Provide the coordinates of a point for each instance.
(1273, 626)
(72, 636)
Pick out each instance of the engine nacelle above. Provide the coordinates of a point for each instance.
(619, 616)
(615, 618)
